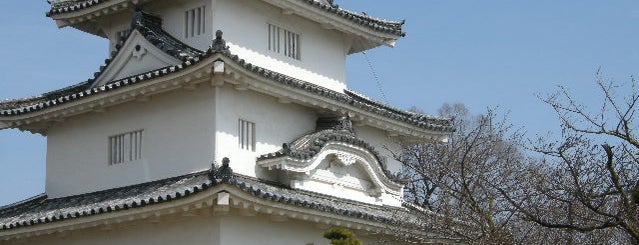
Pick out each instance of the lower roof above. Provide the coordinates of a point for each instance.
(42, 210)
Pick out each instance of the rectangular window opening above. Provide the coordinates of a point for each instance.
(283, 41)
(125, 147)
(195, 22)
(246, 135)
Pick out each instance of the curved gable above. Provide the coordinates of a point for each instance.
(343, 166)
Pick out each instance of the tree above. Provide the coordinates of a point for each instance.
(587, 183)
(450, 179)
(487, 186)
(340, 236)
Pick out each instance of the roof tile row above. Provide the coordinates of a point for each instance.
(43, 210)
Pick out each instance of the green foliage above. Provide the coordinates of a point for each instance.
(635, 196)
(339, 236)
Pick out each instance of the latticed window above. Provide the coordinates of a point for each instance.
(125, 147)
(246, 133)
(195, 22)
(283, 41)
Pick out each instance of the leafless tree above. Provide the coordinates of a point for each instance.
(581, 187)
(586, 187)
(450, 179)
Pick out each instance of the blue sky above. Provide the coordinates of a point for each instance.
(492, 53)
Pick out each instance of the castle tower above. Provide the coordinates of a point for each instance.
(226, 118)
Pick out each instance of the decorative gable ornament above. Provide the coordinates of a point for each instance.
(138, 51)
(219, 44)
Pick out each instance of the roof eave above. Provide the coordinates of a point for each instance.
(142, 87)
(73, 18)
(366, 38)
(207, 200)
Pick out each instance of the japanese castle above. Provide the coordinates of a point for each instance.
(219, 122)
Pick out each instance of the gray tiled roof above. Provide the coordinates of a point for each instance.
(386, 26)
(68, 6)
(150, 27)
(43, 210)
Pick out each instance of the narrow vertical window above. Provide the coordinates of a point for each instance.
(203, 20)
(121, 35)
(125, 147)
(186, 24)
(283, 41)
(194, 22)
(246, 135)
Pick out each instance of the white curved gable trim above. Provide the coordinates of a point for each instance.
(307, 173)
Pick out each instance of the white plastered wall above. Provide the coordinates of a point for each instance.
(275, 124)
(177, 139)
(245, 25)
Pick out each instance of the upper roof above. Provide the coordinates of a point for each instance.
(386, 26)
(150, 28)
(82, 90)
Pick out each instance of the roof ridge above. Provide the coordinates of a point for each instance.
(372, 18)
